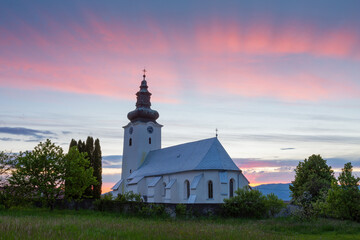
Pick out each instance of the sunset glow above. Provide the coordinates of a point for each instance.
(279, 80)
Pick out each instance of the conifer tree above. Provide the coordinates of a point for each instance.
(93, 154)
(97, 169)
(72, 143)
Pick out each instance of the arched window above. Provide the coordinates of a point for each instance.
(231, 188)
(210, 190)
(130, 141)
(149, 140)
(164, 189)
(187, 189)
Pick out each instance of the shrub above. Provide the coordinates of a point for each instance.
(180, 210)
(107, 196)
(273, 204)
(246, 203)
(252, 204)
(129, 197)
(153, 210)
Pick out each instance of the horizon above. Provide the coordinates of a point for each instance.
(279, 80)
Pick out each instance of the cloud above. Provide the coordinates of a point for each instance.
(299, 138)
(287, 148)
(112, 161)
(9, 139)
(37, 134)
(100, 54)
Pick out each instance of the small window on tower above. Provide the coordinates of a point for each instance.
(149, 140)
(130, 141)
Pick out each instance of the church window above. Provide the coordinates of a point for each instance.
(210, 190)
(130, 141)
(187, 189)
(149, 140)
(231, 186)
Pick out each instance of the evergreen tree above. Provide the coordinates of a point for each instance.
(97, 169)
(93, 154)
(72, 143)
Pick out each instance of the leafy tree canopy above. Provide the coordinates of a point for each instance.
(312, 177)
(7, 162)
(79, 175)
(43, 172)
(343, 201)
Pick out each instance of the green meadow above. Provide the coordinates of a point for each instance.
(67, 224)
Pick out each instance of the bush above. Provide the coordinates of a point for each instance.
(273, 204)
(180, 210)
(107, 196)
(153, 210)
(246, 203)
(129, 197)
(252, 204)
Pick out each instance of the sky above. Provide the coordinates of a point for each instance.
(280, 80)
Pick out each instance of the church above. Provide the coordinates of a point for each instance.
(194, 172)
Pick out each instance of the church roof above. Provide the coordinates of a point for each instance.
(207, 154)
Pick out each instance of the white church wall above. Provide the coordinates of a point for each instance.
(155, 189)
(134, 153)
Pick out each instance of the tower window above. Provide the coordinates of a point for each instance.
(130, 141)
(149, 140)
(210, 190)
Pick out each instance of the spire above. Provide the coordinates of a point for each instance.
(143, 112)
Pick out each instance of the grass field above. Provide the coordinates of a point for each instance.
(66, 224)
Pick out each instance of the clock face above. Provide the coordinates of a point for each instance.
(150, 129)
(131, 130)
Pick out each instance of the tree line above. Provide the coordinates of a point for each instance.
(46, 173)
(315, 191)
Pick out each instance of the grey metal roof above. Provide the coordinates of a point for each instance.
(117, 185)
(207, 154)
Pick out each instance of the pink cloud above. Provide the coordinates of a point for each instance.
(105, 58)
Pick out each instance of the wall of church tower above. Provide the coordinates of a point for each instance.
(139, 139)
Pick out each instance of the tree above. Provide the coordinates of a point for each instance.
(7, 162)
(93, 151)
(79, 175)
(343, 201)
(312, 178)
(39, 174)
(43, 173)
(97, 169)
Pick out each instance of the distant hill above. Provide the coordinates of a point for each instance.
(279, 189)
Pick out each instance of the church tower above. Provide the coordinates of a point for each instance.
(142, 134)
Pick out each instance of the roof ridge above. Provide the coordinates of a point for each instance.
(206, 139)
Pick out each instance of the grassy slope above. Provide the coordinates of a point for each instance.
(42, 224)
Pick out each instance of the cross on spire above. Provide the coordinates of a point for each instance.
(216, 130)
(144, 71)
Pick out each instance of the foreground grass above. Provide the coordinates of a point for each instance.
(65, 224)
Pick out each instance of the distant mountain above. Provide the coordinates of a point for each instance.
(279, 189)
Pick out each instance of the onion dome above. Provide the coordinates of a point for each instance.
(143, 112)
